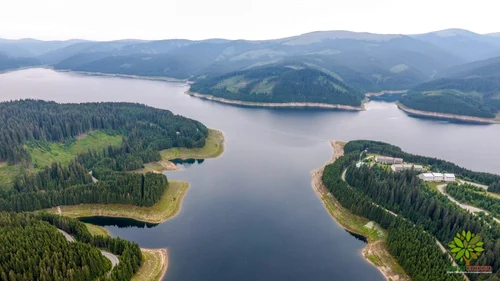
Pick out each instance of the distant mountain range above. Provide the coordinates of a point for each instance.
(362, 62)
(387, 61)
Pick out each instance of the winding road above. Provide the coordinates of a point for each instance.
(469, 208)
(443, 249)
(111, 257)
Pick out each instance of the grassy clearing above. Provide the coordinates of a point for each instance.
(96, 230)
(157, 167)
(7, 175)
(214, 146)
(168, 206)
(433, 185)
(43, 154)
(352, 222)
(154, 265)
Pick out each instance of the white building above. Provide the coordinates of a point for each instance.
(426, 177)
(388, 160)
(449, 177)
(438, 176)
(401, 167)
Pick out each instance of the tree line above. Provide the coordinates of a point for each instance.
(145, 132)
(32, 249)
(405, 194)
(129, 253)
(451, 102)
(413, 248)
(144, 127)
(475, 196)
(280, 84)
(437, 165)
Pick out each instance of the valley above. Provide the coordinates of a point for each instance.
(214, 222)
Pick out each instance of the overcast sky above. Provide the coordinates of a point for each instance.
(236, 19)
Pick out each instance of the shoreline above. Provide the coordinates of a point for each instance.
(278, 105)
(155, 274)
(131, 76)
(388, 92)
(175, 194)
(447, 116)
(104, 74)
(155, 261)
(375, 247)
(214, 148)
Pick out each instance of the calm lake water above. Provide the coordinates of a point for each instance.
(252, 214)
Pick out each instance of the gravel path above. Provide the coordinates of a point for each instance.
(461, 205)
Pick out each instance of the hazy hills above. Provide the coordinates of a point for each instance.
(366, 61)
(463, 43)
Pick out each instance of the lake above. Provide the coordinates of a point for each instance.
(252, 214)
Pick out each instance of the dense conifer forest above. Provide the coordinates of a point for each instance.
(145, 128)
(145, 132)
(280, 84)
(33, 249)
(494, 187)
(472, 96)
(474, 196)
(422, 212)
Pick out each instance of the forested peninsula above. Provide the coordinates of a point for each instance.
(144, 131)
(82, 155)
(279, 86)
(413, 214)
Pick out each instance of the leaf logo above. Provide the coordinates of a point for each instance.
(466, 247)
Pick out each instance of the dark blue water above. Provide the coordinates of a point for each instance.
(251, 214)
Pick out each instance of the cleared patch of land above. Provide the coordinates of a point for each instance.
(157, 167)
(43, 154)
(96, 230)
(154, 265)
(214, 146)
(376, 252)
(7, 174)
(168, 206)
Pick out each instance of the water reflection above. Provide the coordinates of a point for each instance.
(118, 222)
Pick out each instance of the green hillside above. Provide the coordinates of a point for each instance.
(451, 102)
(280, 84)
(472, 89)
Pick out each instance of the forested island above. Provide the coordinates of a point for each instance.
(63, 155)
(423, 215)
(280, 86)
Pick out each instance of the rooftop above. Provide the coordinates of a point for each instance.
(437, 174)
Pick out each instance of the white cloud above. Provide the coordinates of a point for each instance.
(251, 19)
